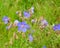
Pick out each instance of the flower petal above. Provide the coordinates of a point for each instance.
(19, 29)
(19, 24)
(23, 23)
(24, 29)
(27, 26)
(30, 38)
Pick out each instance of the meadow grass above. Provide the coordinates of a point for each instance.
(50, 9)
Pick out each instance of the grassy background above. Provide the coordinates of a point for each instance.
(50, 9)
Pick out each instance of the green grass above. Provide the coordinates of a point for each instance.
(50, 9)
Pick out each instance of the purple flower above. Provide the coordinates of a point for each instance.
(22, 26)
(30, 38)
(56, 27)
(44, 22)
(26, 14)
(5, 19)
(44, 47)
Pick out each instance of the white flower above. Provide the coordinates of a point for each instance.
(16, 22)
(32, 9)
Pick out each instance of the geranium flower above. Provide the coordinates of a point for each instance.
(5, 19)
(22, 26)
(56, 27)
(26, 14)
(44, 22)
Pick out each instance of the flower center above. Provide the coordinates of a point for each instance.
(22, 26)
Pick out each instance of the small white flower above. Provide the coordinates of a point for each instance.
(33, 21)
(32, 9)
(16, 22)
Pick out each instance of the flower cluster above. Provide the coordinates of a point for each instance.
(23, 26)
